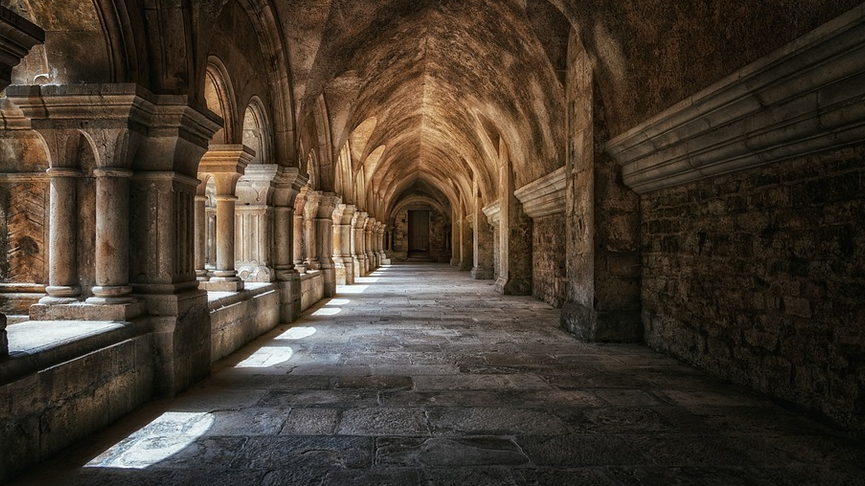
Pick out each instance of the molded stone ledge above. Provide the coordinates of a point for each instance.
(803, 98)
(38, 345)
(494, 213)
(545, 196)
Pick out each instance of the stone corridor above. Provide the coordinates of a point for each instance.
(418, 375)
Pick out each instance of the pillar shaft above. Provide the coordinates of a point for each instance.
(112, 237)
(225, 205)
(201, 238)
(62, 238)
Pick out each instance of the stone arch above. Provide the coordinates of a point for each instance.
(256, 131)
(219, 97)
(265, 21)
(86, 41)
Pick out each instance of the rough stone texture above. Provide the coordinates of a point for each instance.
(758, 278)
(46, 412)
(549, 275)
(449, 395)
(603, 237)
(311, 289)
(238, 319)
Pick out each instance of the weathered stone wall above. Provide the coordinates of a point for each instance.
(240, 318)
(49, 410)
(759, 277)
(439, 235)
(549, 276)
(311, 289)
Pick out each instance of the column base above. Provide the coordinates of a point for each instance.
(87, 311)
(202, 275)
(594, 326)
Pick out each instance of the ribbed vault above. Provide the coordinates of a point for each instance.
(428, 72)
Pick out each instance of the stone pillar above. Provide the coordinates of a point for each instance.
(4, 341)
(514, 235)
(17, 37)
(343, 262)
(254, 222)
(226, 164)
(62, 238)
(112, 237)
(324, 240)
(358, 253)
(310, 240)
(382, 231)
(482, 250)
(287, 184)
(298, 248)
(456, 236)
(603, 244)
(162, 200)
(372, 263)
(201, 233)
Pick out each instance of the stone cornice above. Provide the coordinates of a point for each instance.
(803, 98)
(113, 105)
(544, 196)
(494, 213)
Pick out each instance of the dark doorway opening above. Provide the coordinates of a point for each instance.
(418, 233)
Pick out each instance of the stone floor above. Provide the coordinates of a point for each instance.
(419, 375)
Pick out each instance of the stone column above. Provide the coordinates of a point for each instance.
(162, 200)
(456, 236)
(298, 248)
(226, 164)
(310, 212)
(112, 237)
(358, 253)
(372, 263)
(482, 249)
(466, 241)
(4, 342)
(342, 259)
(287, 185)
(201, 233)
(254, 217)
(514, 235)
(324, 240)
(383, 259)
(17, 37)
(62, 238)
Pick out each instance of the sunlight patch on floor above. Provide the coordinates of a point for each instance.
(267, 356)
(167, 435)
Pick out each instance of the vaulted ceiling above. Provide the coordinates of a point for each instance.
(444, 80)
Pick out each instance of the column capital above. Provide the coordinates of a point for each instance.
(328, 201)
(226, 164)
(359, 219)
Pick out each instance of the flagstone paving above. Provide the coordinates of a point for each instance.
(419, 375)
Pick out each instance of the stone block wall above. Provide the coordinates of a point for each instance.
(759, 277)
(549, 275)
(49, 410)
(239, 319)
